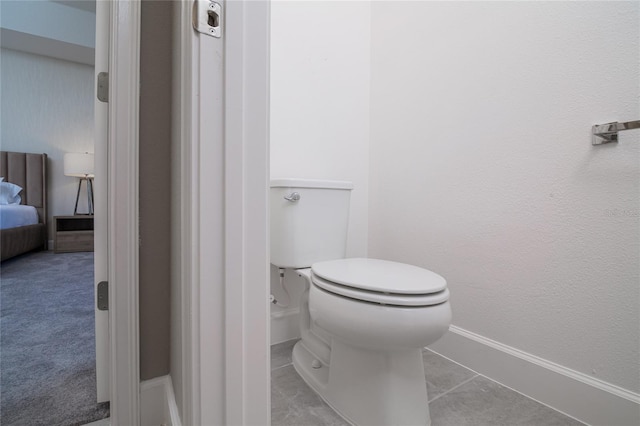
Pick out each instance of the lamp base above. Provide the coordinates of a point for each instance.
(89, 184)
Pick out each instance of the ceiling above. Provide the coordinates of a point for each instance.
(87, 5)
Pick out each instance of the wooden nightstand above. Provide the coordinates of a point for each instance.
(72, 233)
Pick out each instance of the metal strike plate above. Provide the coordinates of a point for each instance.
(103, 296)
(207, 18)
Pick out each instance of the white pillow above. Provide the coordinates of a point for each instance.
(9, 193)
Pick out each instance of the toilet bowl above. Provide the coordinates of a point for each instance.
(379, 304)
(377, 329)
(363, 322)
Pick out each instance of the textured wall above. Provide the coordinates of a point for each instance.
(320, 103)
(47, 107)
(155, 186)
(482, 169)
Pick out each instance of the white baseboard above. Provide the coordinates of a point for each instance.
(158, 403)
(575, 394)
(285, 325)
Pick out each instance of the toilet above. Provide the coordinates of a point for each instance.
(363, 322)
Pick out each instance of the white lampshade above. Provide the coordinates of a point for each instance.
(78, 164)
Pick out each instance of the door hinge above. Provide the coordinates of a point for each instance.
(103, 296)
(207, 17)
(103, 87)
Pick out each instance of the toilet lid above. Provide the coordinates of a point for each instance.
(380, 276)
(414, 300)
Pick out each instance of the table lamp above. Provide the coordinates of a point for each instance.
(81, 165)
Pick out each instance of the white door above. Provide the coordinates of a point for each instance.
(100, 205)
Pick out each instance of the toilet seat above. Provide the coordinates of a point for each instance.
(382, 298)
(380, 281)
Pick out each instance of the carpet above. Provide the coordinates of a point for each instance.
(47, 341)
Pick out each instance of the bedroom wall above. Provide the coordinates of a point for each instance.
(482, 169)
(47, 107)
(49, 28)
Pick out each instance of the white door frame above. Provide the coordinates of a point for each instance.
(224, 245)
(124, 72)
(101, 216)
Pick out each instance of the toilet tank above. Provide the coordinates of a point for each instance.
(312, 228)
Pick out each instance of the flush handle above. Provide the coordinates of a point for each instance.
(293, 197)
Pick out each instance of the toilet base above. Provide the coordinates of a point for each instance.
(368, 387)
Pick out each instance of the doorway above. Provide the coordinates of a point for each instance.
(47, 78)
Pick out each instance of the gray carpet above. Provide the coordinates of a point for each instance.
(47, 352)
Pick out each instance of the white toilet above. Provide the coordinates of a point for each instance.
(363, 322)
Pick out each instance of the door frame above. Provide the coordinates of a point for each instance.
(101, 214)
(222, 247)
(124, 77)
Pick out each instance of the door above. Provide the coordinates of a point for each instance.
(101, 111)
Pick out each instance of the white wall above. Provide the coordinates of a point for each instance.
(47, 107)
(320, 105)
(49, 28)
(482, 169)
(50, 20)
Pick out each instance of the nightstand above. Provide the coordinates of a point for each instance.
(72, 233)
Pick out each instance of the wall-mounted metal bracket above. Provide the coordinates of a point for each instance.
(607, 133)
(103, 87)
(103, 296)
(207, 18)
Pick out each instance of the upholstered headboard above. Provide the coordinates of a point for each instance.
(30, 172)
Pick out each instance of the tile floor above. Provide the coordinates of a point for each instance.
(457, 397)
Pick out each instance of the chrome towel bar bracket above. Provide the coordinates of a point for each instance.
(607, 133)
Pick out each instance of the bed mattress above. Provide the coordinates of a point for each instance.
(16, 215)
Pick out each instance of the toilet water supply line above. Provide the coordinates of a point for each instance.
(273, 298)
(320, 348)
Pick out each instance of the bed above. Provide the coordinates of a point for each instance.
(28, 171)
